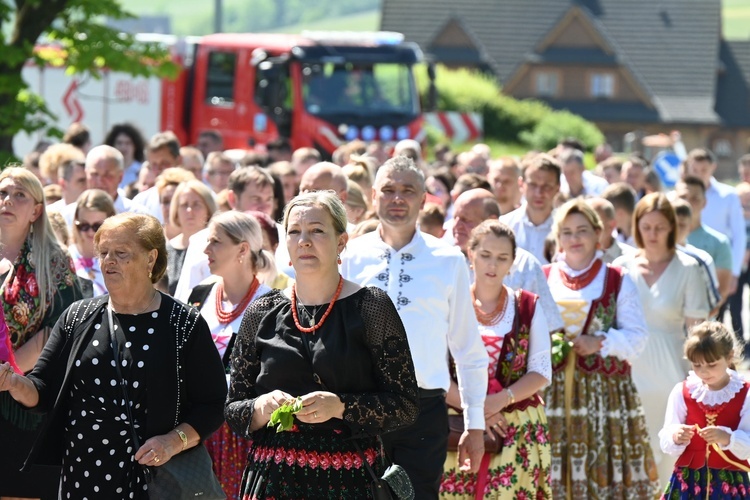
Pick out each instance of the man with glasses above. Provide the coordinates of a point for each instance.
(532, 221)
(216, 171)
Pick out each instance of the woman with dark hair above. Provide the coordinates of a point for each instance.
(129, 141)
(673, 293)
(37, 283)
(172, 375)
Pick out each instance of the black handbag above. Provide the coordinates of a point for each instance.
(394, 485)
(186, 476)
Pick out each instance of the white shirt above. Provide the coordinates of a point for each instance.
(539, 358)
(529, 236)
(723, 212)
(593, 185)
(739, 440)
(626, 339)
(122, 204)
(617, 249)
(150, 200)
(428, 283)
(526, 273)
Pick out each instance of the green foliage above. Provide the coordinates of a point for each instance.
(82, 43)
(282, 417)
(506, 119)
(558, 124)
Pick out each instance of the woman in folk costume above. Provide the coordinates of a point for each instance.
(517, 341)
(707, 423)
(600, 447)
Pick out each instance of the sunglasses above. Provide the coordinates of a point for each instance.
(85, 226)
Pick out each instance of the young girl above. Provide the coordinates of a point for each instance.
(518, 343)
(707, 422)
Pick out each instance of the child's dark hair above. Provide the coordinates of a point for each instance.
(711, 341)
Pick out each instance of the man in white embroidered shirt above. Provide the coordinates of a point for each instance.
(429, 283)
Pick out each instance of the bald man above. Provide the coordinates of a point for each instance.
(474, 206)
(610, 246)
(324, 176)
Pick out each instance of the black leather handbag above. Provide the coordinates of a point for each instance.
(187, 475)
(394, 485)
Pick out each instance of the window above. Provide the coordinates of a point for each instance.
(546, 84)
(602, 85)
(220, 78)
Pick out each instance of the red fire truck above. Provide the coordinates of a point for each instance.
(317, 89)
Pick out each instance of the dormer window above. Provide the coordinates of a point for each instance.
(602, 85)
(546, 83)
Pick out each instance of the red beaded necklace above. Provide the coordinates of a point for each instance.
(493, 318)
(227, 317)
(582, 280)
(325, 315)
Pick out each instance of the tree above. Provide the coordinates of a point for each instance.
(84, 45)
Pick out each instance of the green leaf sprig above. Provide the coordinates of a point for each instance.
(560, 348)
(283, 417)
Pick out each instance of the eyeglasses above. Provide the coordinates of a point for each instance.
(85, 226)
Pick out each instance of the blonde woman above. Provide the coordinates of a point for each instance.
(236, 257)
(38, 284)
(191, 208)
(94, 206)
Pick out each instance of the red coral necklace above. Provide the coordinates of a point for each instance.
(582, 280)
(325, 315)
(227, 317)
(493, 318)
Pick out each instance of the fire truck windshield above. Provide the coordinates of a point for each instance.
(360, 90)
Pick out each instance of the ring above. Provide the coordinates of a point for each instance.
(315, 414)
(156, 459)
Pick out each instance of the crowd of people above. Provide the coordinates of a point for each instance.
(498, 327)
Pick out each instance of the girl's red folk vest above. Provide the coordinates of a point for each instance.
(724, 415)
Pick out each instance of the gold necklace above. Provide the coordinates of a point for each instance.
(141, 312)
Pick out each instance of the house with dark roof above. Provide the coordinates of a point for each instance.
(650, 66)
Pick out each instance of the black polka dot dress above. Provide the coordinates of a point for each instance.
(99, 461)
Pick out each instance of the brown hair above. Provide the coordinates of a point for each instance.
(241, 177)
(432, 214)
(711, 341)
(495, 227)
(655, 202)
(166, 140)
(544, 162)
(146, 231)
(198, 188)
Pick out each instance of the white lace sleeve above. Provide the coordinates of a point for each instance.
(628, 340)
(675, 416)
(540, 360)
(739, 442)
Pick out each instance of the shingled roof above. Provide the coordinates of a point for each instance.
(671, 47)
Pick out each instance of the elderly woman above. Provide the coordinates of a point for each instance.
(600, 447)
(236, 256)
(192, 207)
(173, 374)
(94, 206)
(37, 284)
(673, 292)
(340, 348)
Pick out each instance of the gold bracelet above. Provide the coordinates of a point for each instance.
(511, 397)
(183, 438)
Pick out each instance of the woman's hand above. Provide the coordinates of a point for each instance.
(494, 403)
(585, 345)
(158, 450)
(496, 425)
(7, 376)
(713, 434)
(320, 406)
(267, 404)
(683, 434)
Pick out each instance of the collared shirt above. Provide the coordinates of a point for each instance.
(715, 244)
(150, 199)
(529, 236)
(723, 213)
(526, 273)
(428, 282)
(615, 250)
(709, 271)
(130, 175)
(593, 185)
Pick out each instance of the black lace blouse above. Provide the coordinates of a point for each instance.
(360, 353)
